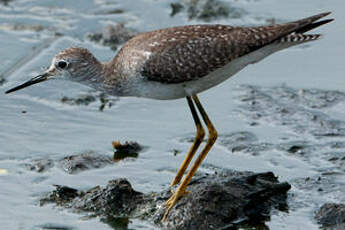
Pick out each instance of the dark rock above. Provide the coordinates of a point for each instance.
(62, 196)
(295, 148)
(2, 80)
(331, 216)
(112, 36)
(128, 149)
(40, 165)
(118, 223)
(225, 199)
(118, 198)
(89, 160)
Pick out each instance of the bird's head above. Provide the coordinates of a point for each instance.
(76, 64)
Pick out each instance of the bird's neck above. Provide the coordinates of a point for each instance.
(104, 77)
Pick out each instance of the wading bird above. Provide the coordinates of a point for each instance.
(179, 62)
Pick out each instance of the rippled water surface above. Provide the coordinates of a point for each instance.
(51, 129)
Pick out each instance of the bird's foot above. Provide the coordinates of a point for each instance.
(173, 200)
(174, 191)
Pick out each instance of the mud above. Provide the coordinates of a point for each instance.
(85, 161)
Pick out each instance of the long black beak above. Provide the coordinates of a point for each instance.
(32, 81)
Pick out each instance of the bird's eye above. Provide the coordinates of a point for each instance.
(61, 64)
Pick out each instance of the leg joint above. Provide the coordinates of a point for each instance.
(200, 132)
(213, 134)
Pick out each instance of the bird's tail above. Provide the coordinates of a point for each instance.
(297, 33)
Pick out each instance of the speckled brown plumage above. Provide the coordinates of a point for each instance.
(186, 53)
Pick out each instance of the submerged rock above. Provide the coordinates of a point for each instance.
(206, 10)
(62, 195)
(5, 2)
(84, 161)
(224, 199)
(112, 36)
(331, 216)
(2, 80)
(80, 100)
(245, 142)
(105, 100)
(88, 160)
(40, 165)
(24, 27)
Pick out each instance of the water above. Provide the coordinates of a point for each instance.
(52, 129)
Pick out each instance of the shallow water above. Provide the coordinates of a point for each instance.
(52, 129)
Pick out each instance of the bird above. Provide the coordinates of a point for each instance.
(180, 62)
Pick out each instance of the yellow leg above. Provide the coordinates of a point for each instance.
(181, 190)
(199, 137)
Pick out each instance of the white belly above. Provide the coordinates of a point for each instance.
(164, 91)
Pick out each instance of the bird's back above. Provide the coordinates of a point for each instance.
(187, 53)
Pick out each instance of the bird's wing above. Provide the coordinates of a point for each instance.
(187, 53)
